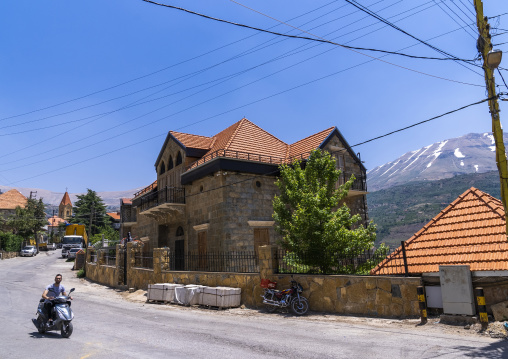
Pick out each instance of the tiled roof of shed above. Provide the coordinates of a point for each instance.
(470, 231)
(12, 199)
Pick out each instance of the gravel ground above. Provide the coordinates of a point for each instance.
(433, 325)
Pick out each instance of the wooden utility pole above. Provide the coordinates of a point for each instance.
(484, 45)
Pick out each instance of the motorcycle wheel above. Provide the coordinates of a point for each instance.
(270, 308)
(66, 330)
(300, 307)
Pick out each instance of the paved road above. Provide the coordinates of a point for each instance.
(106, 326)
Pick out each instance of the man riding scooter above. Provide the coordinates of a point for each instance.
(51, 292)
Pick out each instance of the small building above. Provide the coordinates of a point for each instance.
(114, 217)
(214, 194)
(9, 201)
(53, 225)
(469, 232)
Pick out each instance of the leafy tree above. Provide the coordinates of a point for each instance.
(26, 222)
(109, 233)
(315, 229)
(88, 207)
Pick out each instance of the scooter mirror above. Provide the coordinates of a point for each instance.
(72, 290)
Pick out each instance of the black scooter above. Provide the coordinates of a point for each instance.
(60, 317)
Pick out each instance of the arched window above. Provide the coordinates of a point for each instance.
(179, 159)
(162, 169)
(170, 163)
(179, 231)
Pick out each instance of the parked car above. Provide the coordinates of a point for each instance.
(28, 251)
(72, 253)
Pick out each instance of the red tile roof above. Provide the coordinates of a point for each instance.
(12, 199)
(114, 215)
(55, 221)
(470, 231)
(126, 201)
(193, 141)
(65, 199)
(146, 189)
(245, 140)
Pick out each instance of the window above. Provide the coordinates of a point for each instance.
(179, 231)
(162, 169)
(170, 163)
(179, 159)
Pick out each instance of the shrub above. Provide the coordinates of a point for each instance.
(10, 242)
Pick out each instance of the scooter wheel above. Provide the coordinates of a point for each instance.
(66, 330)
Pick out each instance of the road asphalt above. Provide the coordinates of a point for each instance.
(115, 324)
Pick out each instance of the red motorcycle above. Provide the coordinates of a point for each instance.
(274, 299)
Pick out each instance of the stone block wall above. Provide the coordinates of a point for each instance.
(9, 255)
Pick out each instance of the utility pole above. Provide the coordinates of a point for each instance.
(484, 46)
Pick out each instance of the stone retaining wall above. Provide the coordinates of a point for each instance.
(343, 294)
(8, 255)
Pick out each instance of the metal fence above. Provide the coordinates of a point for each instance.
(238, 262)
(359, 262)
(144, 260)
(109, 255)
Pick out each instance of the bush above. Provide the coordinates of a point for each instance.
(10, 242)
(81, 273)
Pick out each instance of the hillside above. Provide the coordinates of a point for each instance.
(402, 210)
(472, 153)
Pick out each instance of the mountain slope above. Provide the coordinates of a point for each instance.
(400, 211)
(472, 153)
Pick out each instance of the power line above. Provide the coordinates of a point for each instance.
(428, 120)
(451, 17)
(318, 39)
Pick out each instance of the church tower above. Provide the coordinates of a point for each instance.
(65, 207)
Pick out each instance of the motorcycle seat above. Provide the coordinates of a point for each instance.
(42, 300)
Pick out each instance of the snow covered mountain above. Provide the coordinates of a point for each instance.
(472, 153)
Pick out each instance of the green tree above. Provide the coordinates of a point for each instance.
(315, 229)
(26, 222)
(10, 242)
(88, 207)
(109, 233)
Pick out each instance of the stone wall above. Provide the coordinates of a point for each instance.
(343, 294)
(8, 255)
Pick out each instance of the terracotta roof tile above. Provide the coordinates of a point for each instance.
(470, 231)
(193, 141)
(114, 215)
(12, 199)
(245, 140)
(126, 200)
(66, 200)
(55, 221)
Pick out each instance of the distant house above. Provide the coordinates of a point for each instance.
(214, 194)
(9, 201)
(115, 219)
(53, 225)
(470, 231)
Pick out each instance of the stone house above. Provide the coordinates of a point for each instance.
(214, 194)
(9, 201)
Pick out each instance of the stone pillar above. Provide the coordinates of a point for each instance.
(101, 258)
(268, 264)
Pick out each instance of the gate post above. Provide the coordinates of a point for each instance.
(268, 263)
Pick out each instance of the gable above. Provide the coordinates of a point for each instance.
(470, 231)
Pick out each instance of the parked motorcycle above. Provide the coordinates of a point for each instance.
(60, 317)
(291, 297)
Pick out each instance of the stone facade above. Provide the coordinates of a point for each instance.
(225, 209)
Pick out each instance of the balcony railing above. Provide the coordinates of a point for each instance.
(162, 196)
(247, 156)
(359, 184)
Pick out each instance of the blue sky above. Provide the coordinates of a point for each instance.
(90, 89)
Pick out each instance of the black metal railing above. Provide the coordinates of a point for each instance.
(359, 184)
(109, 255)
(356, 262)
(143, 260)
(164, 195)
(237, 262)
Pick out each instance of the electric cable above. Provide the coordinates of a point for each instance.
(157, 71)
(164, 134)
(318, 39)
(451, 17)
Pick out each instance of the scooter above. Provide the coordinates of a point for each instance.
(60, 317)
